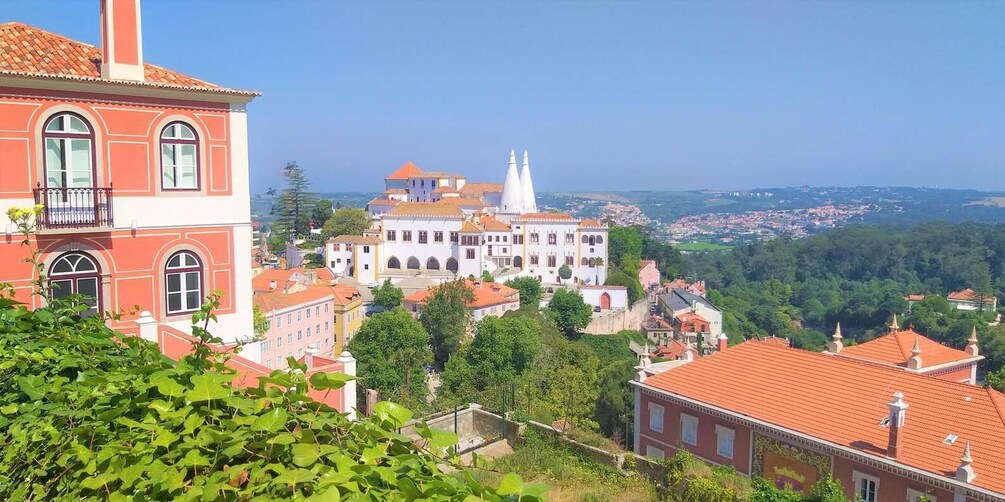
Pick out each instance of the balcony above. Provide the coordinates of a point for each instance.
(74, 208)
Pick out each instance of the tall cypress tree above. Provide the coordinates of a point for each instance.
(295, 205)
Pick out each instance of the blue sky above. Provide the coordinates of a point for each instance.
(605, 95)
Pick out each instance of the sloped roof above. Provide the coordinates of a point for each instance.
(546, 217)
(470, 227)
(34, 52)
(486, 294)
(434, 209)
(895, 348)
(278, 299)
(494, 225)
(674, 350)
(383, 202)
(404, 172)
(842, 401)
(968, 295)
(588, 223)
(690, 317)
(680, 299)
(461, 202)
(479, 189)
(356, 239)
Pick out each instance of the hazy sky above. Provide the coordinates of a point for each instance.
(605, 95)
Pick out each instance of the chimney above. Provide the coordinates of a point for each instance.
(121, 40)
(835, 346)
(723, 342)
(972, 349)
(898, 408)
(965, 472)
(272, 284)
(914, 362)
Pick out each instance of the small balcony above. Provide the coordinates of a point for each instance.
(74, 208)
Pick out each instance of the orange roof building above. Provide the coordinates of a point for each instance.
(969, 299)
(490, 299)
(794, 417)
(404, 172)
(911, 351)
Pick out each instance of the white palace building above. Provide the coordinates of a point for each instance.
(437, 225)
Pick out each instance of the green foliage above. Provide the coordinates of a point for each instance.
(996, 379)
(387, 295)
(260, 323)
(614, 409)
(346, 221)
(321, 212)
(570, 312)
(530, 290)
(386, 335)
(624, 246)
(292, 210)
(446, 318)
(89, 413)
(630, 282)
(615, 347)
(487, 276)
(502, 350)
(564, 272)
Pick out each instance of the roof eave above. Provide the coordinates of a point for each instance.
(235, 94)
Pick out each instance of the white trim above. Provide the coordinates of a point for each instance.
(654, 410)
(688, 420)
(856, 478)
(721, 432)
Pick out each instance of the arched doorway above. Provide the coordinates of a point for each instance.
(432, 264)
(393, 262)
(413, 263)
(452, 265)
(605, 301)
(518, 262)
(77, 274)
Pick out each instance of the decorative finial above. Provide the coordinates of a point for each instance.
(973, 335)
(893, 324)
(837, 332)
(972, 349)
(965, 472)
(966, 458)
(835, 345)
(916, 350)
(914, 362)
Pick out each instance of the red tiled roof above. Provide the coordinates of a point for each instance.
(591, 224)
(967, 295)
(404, 172)
(914, 298)
(486, 294)
(262, 282)
(425, 209)
(690, 317)
(675, 350)
(30, 51)
(895, 348)
(461, 202)
(383, 202)
(493, 225)
(842, 401)
(278, 299)
(356, 239)
(479, 189)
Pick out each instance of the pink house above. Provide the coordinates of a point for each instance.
(649, 275)
(795, 417)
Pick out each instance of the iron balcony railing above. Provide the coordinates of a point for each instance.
(77, 207)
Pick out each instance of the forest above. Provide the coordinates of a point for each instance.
(856, 275)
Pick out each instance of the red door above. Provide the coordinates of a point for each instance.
(605, 302)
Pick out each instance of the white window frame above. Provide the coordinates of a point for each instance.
(722, 433)
(857, 478)
(686, 421)
(656, 415)
(915, 495)
(654, 452)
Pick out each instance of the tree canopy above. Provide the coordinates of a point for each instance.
(346, 221)
(388, 335)
(570, 312)
(387, 295)
(321, 212)
(294, 205)
(446, 318)
(530, 289)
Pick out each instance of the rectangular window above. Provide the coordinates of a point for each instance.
(570, 239)
(300, 334)
(336, 247)
(569, 260)
(552, 238)
(317, 329)
(517, 239)
(654, 452)
(289, 338)
(317, 310)
(551, 261)
(505, 237)
(423, 237)
(866, 487)
(366, 249)
(655, 417)
(300, 316)
(437, 236)
(279, 321)
(533, 259)
(326, 326)
(300, 352)
(308, 313)
(289, 318)
(333, 264)
(268, 363)
(279, 342)
(533, 238)
(326, 308)
(406, 236)
(366, 266)
(391, 235)
(469, 253)
(724, 441)
(689, 429)
(453, 237)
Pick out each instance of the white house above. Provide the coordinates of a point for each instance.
(605, 297)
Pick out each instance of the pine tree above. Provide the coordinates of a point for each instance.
(295, 205)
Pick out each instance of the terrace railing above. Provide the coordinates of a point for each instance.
(76, 207)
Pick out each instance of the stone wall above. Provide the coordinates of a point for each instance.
(613, 321)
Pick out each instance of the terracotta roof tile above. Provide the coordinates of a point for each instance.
(842, 400)
(383, 202)
(494, 225)
(967, 295)
(404, 172)
(895, 348)
(590, 224)
(434, 209)
(480, 189)
(486, 294)
(279, 299)
(461, 202)
(470, 227)
(356, 239)
(30, 51)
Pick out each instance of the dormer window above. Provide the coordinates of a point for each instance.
(179, 157)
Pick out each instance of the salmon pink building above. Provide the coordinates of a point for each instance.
(142, 172)
(649, 275)
(795, 417)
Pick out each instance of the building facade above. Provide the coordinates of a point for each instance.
(142, 172)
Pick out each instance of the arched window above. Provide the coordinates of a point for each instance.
(586, 240)
(69, 167)
(600, 239)
(77, 274)
(179, 157)
(413, 263)
(393, 262)
(518, 262)
(432, 264)
(585, 262)
(592, 262)
(183, 277)
(452, 265)
(592, 240)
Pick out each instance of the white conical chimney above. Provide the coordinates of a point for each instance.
(512, 200)
(527, 187)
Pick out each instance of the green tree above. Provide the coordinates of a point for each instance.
(631, 283)
(570, 312)
(487, 276)
(387, 295)
(624, 242)
(261, 324)
(564, 272)
(383, 335)
(613, 411)
(294, 205)
(503, 348)
(446, 318)
(530, 289)
(321, 212)
(346, 221)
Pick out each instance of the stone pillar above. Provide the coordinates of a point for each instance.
(147, 326)
(349, 390)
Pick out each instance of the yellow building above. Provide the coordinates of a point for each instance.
(348, 312)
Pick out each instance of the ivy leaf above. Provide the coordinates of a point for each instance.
(169, 387)
(10, 409)
(511, 484)
(165, 438)
(329, 494)
(207, 386)
(271, 421)
(386, 410)
(305, 455)
(294, 476)
(33, 386)
(325, 381)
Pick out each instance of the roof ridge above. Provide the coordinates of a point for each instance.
(995, 397)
